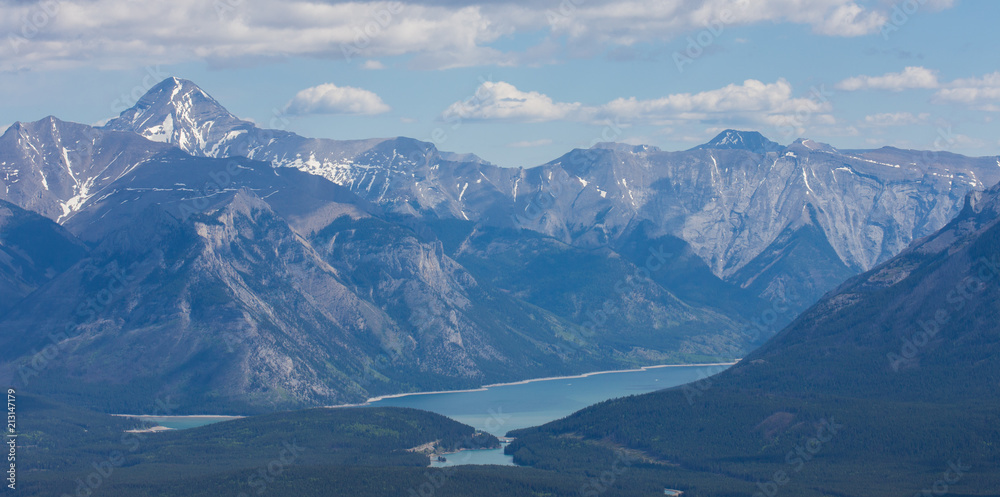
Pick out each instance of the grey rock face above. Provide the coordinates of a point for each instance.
(54, 167)
(734, 205)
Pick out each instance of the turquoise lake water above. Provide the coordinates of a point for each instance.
(499, 409)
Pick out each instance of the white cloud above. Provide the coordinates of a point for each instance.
(753, 101)
(373, 65)
(332, 99)
(909, 78)
(895, 119)
(119, 34)
(530, 143)
(4, 128)
(634, 21)
(500, 101)
(848, 19)
(981, 93)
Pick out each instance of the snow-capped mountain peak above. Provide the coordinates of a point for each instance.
(387, 171)
(178, 112)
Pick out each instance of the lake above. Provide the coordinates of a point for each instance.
(498, 409)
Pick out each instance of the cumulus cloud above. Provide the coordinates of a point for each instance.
(766, 101)
(909, 78)
(332, 99)
(848, 19)
(501, 101)
(982, 93)
(373, 65)
(628, 22)
(752, 102)
(118, 33)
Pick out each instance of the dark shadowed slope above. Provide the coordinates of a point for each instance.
(33, 250)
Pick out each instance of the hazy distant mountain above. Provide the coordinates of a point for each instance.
(751, 209)
(889, 381)
(788, 223)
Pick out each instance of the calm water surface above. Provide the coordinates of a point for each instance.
(499, 409)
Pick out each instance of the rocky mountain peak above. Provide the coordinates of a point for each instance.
(732, 139)
(179, 112)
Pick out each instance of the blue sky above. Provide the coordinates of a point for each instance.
(520, 83)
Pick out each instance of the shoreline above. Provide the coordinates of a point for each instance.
(201, 416)
(534, 380)
(152, 429)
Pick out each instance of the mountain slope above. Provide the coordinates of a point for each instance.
(733, 204)
(33, 250)
(186, 318)
(615, 302)
(889, 381)
(54, 167)
(277, 289)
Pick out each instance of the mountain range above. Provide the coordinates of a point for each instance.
(181, 250)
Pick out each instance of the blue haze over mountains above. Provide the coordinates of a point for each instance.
(262, 269)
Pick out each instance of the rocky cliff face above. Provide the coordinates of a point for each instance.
(740, 208)
(54, 167)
